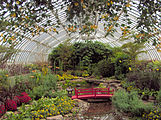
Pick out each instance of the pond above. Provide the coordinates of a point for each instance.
(101, 111)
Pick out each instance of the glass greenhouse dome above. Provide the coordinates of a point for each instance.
(35, 28)
(80, 59)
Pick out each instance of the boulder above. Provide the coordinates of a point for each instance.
(58, 117)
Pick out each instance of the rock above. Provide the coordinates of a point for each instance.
(78, 85)
(83, 106)
(119, 88)
(68, 115)
(113, 81)
(152, 98)
(58, 117)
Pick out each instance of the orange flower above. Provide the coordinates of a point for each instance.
(31, 76)
(57, 67)
(34, 71)
(49, 66)
(26, 17)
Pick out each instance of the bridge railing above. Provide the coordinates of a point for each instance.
(94, 91)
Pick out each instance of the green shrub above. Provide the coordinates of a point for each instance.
(159, 97)
(106, 68)
(3, 78)
(47, 83)
(150, 80)
(121, 66)
(129, 102)
(43, 108)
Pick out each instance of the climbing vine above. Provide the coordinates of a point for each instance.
(18, 17)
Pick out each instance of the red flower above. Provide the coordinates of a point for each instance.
(11, 105)
(24, 93)
(2, 110)
(17, 100)
(24, 98)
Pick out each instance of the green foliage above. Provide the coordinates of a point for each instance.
(106, 68)
(43, 108)
(79, 55)
(101, 85)
(6, 53)
(90, 52)
(159, 97)
(36, 84)
(130, 103)
(147, 79)
(154, 65)
(46, 83)
(61, 56)
(3, 78)
(121, 66)
(133, 50)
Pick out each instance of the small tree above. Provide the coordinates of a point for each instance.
(133, 50)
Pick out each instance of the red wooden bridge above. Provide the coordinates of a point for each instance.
(93, 93)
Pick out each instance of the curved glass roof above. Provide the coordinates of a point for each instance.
(35, 48)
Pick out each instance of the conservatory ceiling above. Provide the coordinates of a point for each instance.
(35, 48)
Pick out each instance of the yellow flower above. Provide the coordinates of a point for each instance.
(116, 18)
(8, 5)
(76, 4)
(111, 2)
(120, 61)
(84, 6)
(130, 68)
(128, 5)
(18, 2)
(4, 40)
(54, 29)
(109, 29)
(102, 16)
(157, 69)
(106, 15)
(6, 75)
(108, 4)
(84, 26)
(68, 8)
(13, 15)
(2, 35)
(26, 17)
